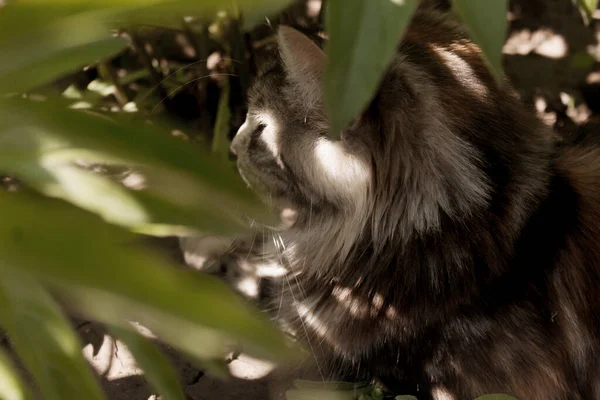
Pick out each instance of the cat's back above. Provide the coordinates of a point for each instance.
(576, 278)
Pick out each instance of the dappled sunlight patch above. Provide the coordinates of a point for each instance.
(544, 42)
(250, 368)
(462, 71)
(113, 359)
(336, 167)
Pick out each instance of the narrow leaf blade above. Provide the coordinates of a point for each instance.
(44, 340)
(77, 251)
(220, 141)
(487, 23)
(363, 35)
(156, 368)
(11, 386)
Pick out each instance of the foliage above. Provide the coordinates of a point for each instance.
(52, 252)
(587, 8)
(358, 56)
(68, 236)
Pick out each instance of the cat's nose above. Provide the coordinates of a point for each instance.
(239, 139)
(233, 148)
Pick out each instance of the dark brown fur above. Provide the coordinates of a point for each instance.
(475, 266)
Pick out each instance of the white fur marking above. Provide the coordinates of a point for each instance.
(441, 394)
(340, 170)
(311, 320)
(270, 135)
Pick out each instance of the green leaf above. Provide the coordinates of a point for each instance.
(42, 39)
(97, 266)
(220, 141)
(305, 384)
(487, 24)
(581, 60)
(405, 397)
(11, 386)
(363, 36)
(32, 62)
(157, 370)
(312, 394)
(39, 141)
(120, 14)
(496, 397)
(44, 339)
(588, 7)
(306, 390)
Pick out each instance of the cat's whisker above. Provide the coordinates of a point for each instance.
(179, 70)
(303, 324)
(187, 83)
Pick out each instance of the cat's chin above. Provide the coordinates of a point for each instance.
(287, 212)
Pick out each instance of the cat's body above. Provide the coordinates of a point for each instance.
(446, 245)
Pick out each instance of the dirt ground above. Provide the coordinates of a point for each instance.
(546, 60)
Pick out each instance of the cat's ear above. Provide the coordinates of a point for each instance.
(304, 62)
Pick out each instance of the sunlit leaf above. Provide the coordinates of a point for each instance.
(40, 40)
(405, 398)
(306, 390)
(588, 7)
(94, 262)
(186, 186)
(43, 53)
(487, 23)
(157, 370)
(120, 14)
(11, 386)
(220, 141)
(363, 35)
(44, 340)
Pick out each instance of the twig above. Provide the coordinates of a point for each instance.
(146, 61)
(107, 72)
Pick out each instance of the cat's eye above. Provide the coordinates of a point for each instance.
(259, 129)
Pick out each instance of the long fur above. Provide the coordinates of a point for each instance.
(446, 246)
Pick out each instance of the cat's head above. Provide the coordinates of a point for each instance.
(438, 141)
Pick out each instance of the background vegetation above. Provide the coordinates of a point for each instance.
(115, 121)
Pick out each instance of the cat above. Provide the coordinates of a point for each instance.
(446, 245)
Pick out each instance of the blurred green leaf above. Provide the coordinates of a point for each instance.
(305, 384)
(582, 60)
(44, 339)
(220, 141)
(306, 390)
(405, 398)
(39, 141)
(98, 266)
(487, 23)
(35, 56)
(496, 397)
(122, 14)
(41, 39)
(157, 370)
(588, 7)
(313, 394)
(363, 35)
(11, 386)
